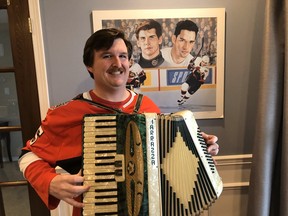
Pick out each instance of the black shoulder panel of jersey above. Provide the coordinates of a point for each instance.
(72, 165)
(23, 152)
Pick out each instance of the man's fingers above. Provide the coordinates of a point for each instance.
(213, 149)
(74, 179)
(210, 139)
(74, 203)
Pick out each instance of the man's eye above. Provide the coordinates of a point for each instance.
(106, 56)
(123, 56)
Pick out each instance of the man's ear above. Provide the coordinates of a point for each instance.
(89, 69)
(173, 39)
(138, 44)
(160, 40)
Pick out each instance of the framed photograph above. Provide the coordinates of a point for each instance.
(178, 56)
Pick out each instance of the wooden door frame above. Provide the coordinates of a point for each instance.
(39, 55)
(42, 85)
(24, 69)
(30, 90)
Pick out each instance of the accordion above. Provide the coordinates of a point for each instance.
(147, 164)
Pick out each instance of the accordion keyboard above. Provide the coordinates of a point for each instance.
(99, 168)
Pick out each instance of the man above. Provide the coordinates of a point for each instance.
(137, 76)
(183, 41)
(199, 72)
(58, 141)
(149, 39)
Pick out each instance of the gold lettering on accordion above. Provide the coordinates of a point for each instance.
(134, 168)
(152, 144)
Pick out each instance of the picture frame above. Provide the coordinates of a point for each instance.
(167, 85)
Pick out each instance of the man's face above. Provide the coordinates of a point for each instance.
(149, 43)
(111, 67)
(184, 43)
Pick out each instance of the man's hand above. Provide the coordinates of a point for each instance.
(67, 187)
(211, 141)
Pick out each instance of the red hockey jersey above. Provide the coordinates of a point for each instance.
(58, 141)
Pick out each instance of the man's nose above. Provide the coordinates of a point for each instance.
(186, 45)
(117, 62)
(146, 41)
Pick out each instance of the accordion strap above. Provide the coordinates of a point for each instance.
(114, 110)
(138, 103)
(80, 97)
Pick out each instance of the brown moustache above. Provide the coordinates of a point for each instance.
(115, 69)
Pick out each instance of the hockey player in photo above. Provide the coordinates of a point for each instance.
(197, 77)
(137, 76)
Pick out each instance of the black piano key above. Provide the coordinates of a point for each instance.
(118, 172)
(105, 180)
(99, 196)
(106, 213)
(102, 190)
(105, 203)
(104, 157)
(104, 151)
(104, 173)
(104, 163)
(118, 163)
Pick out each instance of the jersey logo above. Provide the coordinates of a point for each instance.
(38, 133)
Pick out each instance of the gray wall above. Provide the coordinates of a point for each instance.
(68, 23)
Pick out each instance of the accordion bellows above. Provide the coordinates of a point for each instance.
(147, 164)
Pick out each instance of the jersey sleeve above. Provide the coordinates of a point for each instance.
(36, 168)
(51, 144)
(40, 174)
